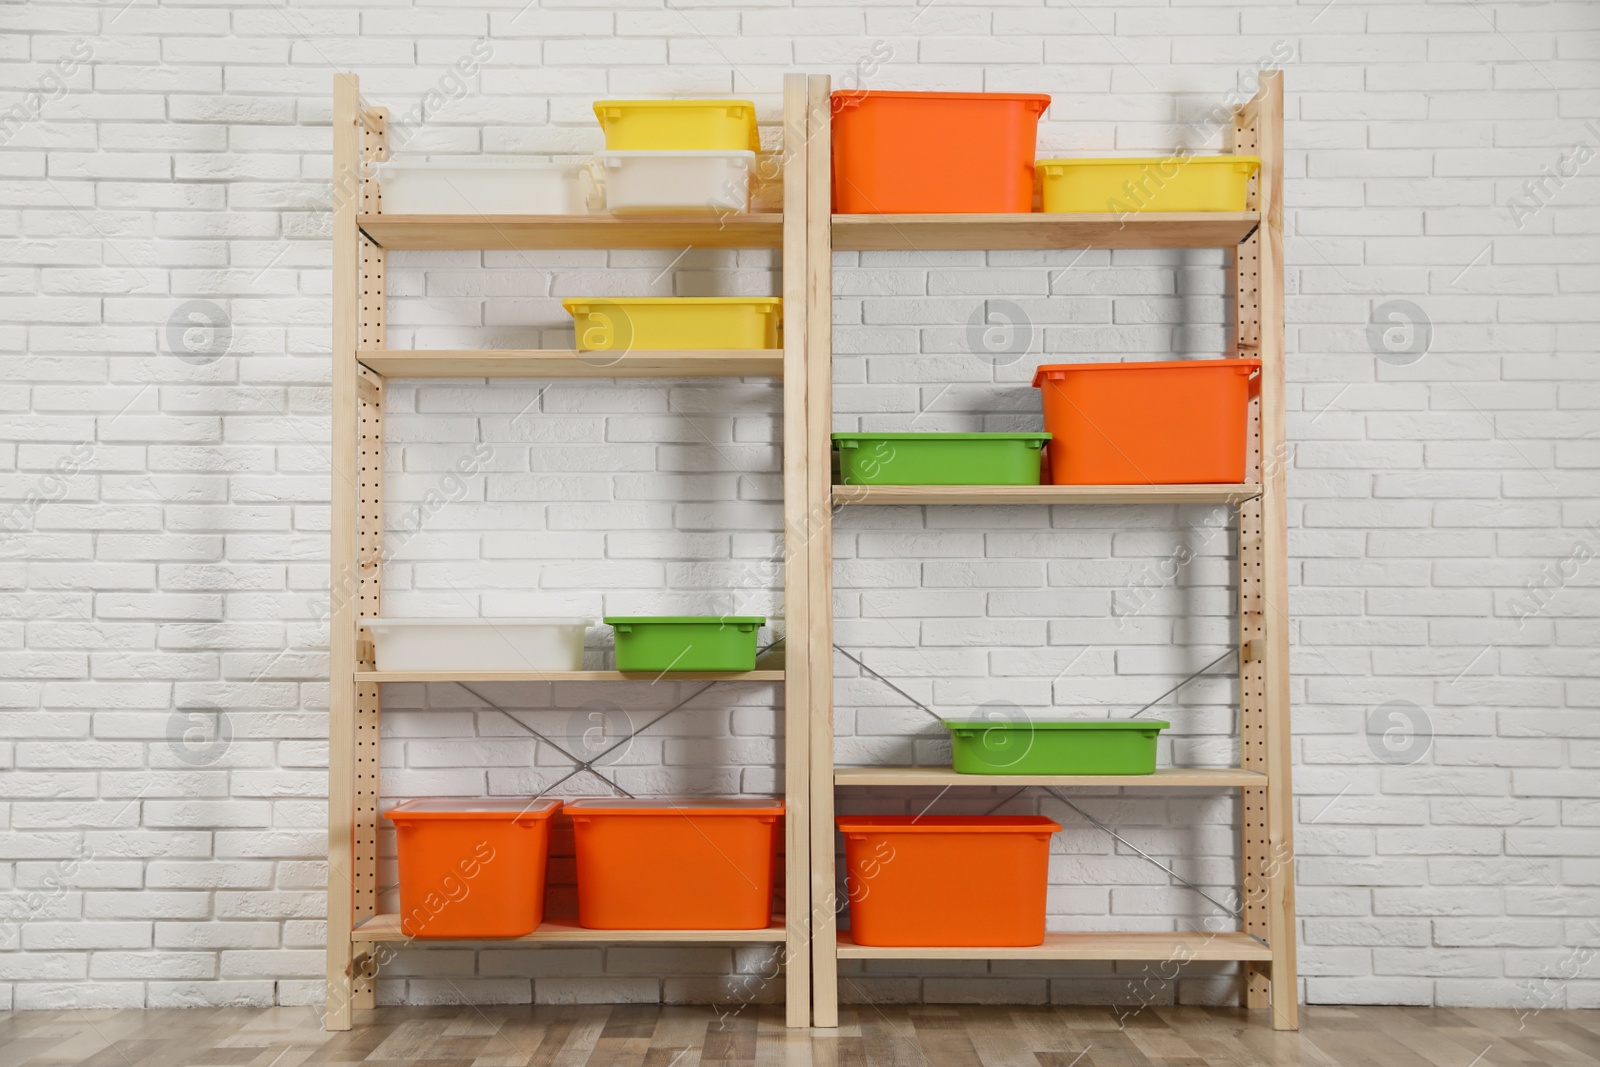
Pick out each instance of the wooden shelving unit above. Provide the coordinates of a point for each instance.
(807, 233)
(362, 363)
(1265, 946)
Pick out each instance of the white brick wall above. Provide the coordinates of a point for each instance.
(165, 518)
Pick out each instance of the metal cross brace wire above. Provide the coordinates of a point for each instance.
(1103, 828)
(1236, 913)
(1119, 838)
(1183, 683)
(581, 765)
(936, 715)
(578, 765)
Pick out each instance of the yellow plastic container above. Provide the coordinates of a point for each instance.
(1147, 183)
(676, 322)
(678, 125)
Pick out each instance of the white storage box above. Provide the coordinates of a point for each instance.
(709, 181)
(481, 187)
(478, 644)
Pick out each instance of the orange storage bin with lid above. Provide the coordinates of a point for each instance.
(934, 153)
(947, 880)
(472, 868)
(1149, 423)
(693, 863)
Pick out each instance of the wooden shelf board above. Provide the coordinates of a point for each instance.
(473, 232)
(1086, 946)
(566, 363)
(926, 233)
(1044, 494)
(387, 928)
(1164, 778)
(569, 676)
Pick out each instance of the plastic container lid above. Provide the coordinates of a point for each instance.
(673, 153)
(1058, 370)
(679, 805)
(475, 163)
(739, 110)
(477, 621)
(671, 301)
(851, 97)
(692, 101)
(687, 620)
(946, 824)
(475, 808)
(1122, 161)
(1045, 722)
(941, 436)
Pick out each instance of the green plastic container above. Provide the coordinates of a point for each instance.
(939, 458)
(1058, 746)
(686, 642)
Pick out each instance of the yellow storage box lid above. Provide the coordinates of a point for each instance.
(677, 125)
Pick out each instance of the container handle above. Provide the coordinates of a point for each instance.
(622, 627)
(592, 184)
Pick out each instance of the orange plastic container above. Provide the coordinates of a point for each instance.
(697, 863)
(933, 153)
(472, 868)
(1151, 423)
(947, 880)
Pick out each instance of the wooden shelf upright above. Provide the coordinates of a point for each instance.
(1265, 945)
(362, 234)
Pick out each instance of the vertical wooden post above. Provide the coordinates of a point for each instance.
(1244, 279)
(356, 552)
(1268, 845)
(1275, 578)
(819, 403)
(369, 553)
(343, 583)
(796, 584)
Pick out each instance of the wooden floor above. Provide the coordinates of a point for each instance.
(933, 1036)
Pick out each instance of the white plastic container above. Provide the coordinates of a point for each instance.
(481, 187)
(708, 181)
(478, 644)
